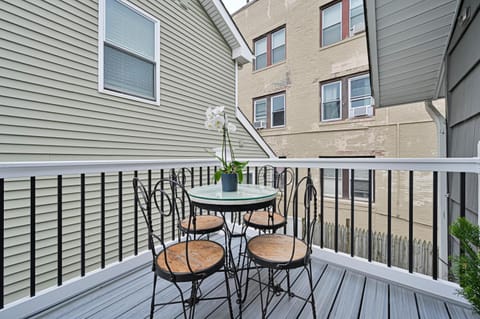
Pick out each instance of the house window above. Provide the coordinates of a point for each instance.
(270, 49)
(269, 111)
(360, 183)
(332, 24)
(331, 101)
(359, 92)
(278, 110)
(128, 45)
(356, 16)
(329, 182)
(341, 19)
(260, 110)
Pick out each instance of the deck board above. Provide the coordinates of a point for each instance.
(349, 297)
(339, 293)
(402, 303)
(375, 300)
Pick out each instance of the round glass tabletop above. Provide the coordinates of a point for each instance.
(246, 194)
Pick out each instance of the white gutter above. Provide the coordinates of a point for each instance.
(441, 125)
(246, 123)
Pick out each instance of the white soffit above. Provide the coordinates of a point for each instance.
(224, 23)
(407, 41)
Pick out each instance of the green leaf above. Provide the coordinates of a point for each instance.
(218, 175)
(240, 176)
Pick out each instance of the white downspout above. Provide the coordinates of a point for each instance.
(441, 125)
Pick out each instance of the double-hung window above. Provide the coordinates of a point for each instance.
(278, 110)
(329, 182)
(359, 93)
(270, 49)
(128, 46)
(332, 24)
(331, 101)
(270, 110)
(356, 16)
(260, 111)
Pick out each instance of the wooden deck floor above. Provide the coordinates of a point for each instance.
(339, 293)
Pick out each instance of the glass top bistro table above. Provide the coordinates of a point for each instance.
(248, 197)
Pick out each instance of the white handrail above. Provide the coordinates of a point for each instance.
(52, 168)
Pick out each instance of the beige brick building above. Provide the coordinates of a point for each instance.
(308, 93)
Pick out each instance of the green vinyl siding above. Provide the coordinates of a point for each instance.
(50, 109)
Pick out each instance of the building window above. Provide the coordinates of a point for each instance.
(269, 111)
(332, 101)
(360, 183)
(359, 96)
(352, 89)
(341, 19)
(357, 23)
(129, 57)
(260, 113)
(332, 24)
(278, 110)
(270, 49)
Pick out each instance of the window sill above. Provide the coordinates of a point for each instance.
(347, 120)
(269, 67)
(129, 97)
(341, 42)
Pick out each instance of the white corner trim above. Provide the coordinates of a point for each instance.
(439, 288)
(242, 52)
(246, 123)
(50, 297)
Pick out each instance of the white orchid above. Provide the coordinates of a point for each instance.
(216, 119)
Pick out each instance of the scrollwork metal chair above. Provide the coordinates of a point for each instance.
(278, 252)
(184, 261)
(201, 224)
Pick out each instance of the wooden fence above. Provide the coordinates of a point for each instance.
(422, 258)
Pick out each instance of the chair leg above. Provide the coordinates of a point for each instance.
(247, 278)
(152, 304)
(312, 297)
(264, 310)
(183, 300)
(229, 296)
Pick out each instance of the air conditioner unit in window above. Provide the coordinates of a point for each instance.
(259, 124)
(357, 28)
(361, 111)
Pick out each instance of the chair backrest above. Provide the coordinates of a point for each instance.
(305, 188)
(165, 200)
(281, 178)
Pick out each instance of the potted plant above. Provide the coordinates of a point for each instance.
(466, 267)
(231, 170)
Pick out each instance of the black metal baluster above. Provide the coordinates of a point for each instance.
(435, 227)
(59, 230)
(389, 219)
(2, 241)
(162, 219)
(265, 172)
(149, 208)
(336, 211)
(352, 213)
(215, 181)
(321, 207)
(102, 218)
(462, 203)
(32, 235)
(256, 175)
(135, 220)
(183, 193)
(200, 177)
(285, 196)
(248, 175)
(120, 216)
(208, 175)
(370, 215)
(410, 221)
(295, 207)
(82, 225)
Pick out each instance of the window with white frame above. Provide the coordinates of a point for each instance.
(278, 110)
(261, 53)
(359, 91)
(329, 182)
(278, 46)
(260, 110)
(356, 16)
(332, 24)
(270, 49)
(128, 46)
(331, 101)
(269, 109)
(360, 184)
